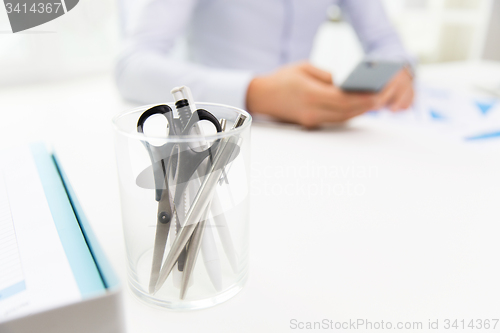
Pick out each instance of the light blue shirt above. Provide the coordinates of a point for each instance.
(231, 41)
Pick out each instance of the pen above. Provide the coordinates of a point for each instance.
(219, 219)
(194, 248)
(209, 249)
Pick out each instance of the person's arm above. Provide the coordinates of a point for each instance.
(303, 94)
(375, 32)
(147, 71)
(381, 41)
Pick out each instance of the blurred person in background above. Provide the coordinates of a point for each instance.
(253, 54)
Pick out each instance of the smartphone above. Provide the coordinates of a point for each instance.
(371, 76)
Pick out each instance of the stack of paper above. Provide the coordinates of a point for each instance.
(458, 114)
(44, 259)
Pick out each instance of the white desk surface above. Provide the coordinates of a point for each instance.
(417, 238)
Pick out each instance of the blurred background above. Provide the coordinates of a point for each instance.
(85, 41)
(434, 31)
(82, 42)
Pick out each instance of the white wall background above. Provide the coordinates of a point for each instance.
(442, 30)
(81, 42)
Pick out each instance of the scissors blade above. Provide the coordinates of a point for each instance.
(163, 222)
(162, 230)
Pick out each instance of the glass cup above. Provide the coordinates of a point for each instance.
(202, 214)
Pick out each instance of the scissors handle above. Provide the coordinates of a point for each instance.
(162, 156)
(158, 166)
(158, 109)
(198, 115)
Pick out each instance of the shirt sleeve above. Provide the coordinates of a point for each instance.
(375, 32)
(147, 69)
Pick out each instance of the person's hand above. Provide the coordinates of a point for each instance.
(398, 94)
(303, 94)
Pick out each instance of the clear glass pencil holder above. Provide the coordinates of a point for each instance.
(184, 203)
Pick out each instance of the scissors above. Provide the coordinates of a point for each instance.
(182, 162)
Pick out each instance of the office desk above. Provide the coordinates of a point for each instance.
(366, 221)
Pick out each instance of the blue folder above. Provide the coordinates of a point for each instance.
(90, 267)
